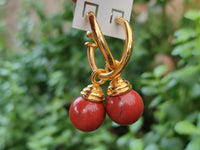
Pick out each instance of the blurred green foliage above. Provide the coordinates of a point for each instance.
(3, 31)
(38, 84)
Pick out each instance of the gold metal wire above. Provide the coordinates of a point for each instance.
(95, 74)
(100, 42)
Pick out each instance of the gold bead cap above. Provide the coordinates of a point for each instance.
(93, 92)
(118, 86)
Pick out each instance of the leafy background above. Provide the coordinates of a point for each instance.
(46, 68)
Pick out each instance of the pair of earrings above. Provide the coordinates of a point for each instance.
(123, 105)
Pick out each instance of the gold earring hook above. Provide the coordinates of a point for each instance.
(97, 36)
(100, 40)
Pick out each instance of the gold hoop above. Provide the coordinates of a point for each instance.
(95, 74)
(100, 42)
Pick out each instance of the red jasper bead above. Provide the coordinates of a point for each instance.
(125, 109)
(86, 115)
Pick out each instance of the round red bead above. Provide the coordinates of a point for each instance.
(126, 108)
(86, 115)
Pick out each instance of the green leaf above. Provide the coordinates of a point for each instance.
(194, 144)
(195, 91)
(186, 72)
(2, 2)
(184, 50)
(123, 140)
(149, 90)
(170, 84)
(152, 147)
(198, 121)
(136, 144)
(136, 126)
(160, 70)
(148, 82)
(155, 102)
(193, 15)
(183, 35)
(186, 128)
(196, 51)
(101, 147)
(171, 143)
(147, 75)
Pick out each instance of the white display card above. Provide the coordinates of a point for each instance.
(105, 12)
